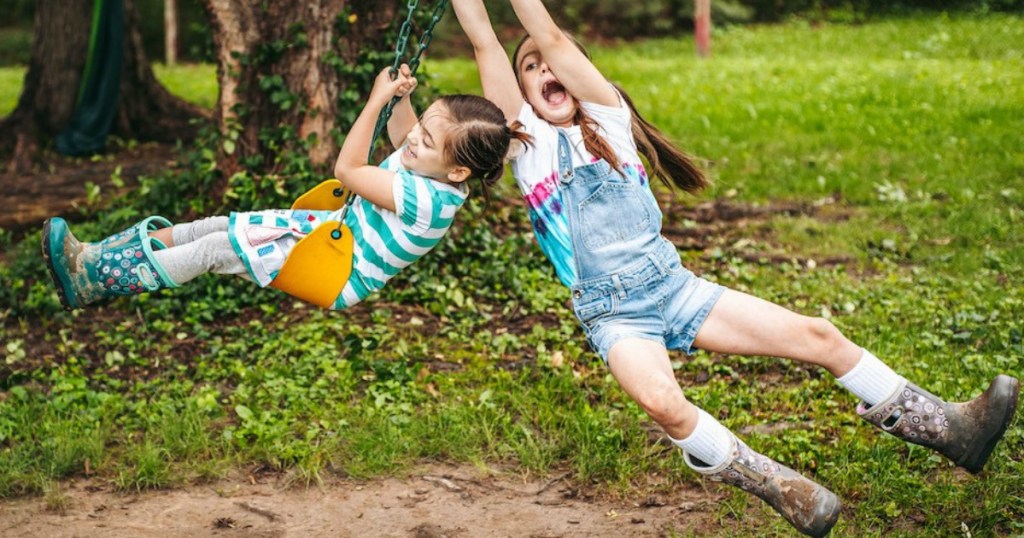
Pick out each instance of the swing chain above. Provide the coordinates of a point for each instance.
(428, 35)
(414, 64)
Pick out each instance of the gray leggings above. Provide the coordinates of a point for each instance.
(200, 246)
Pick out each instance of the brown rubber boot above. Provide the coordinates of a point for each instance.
(809, 507)
(965, 432)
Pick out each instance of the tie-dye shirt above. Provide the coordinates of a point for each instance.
(536, 172)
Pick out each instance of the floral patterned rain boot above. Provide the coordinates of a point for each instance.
(965, 432)
(809, 507)
(121, 264)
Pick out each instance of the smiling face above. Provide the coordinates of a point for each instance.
(424, 148)
(541, 88)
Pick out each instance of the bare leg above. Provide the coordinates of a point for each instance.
(165, 236)
(742, 324)
(643, 370)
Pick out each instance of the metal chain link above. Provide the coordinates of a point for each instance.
(414, 63)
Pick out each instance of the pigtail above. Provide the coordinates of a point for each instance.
(594, 142)
(480, 139)
(519, 139)
(671, 165)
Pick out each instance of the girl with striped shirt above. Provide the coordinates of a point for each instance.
(402, 208)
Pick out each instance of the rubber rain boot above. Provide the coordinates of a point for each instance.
(808, 506)
(966, 433)
(122, 264)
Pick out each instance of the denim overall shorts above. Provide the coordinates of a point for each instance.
(630, 282)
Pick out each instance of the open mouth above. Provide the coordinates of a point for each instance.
(409, 153)
(554, 93)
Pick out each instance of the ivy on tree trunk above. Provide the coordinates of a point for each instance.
(292, 76)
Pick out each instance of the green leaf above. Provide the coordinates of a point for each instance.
(243, 412)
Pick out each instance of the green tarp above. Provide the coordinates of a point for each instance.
(99, 90)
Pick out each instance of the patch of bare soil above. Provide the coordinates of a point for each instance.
(432, 503)
(57, 185)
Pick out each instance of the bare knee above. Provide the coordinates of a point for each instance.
(822, 335)
(827, 346)
(664, 402)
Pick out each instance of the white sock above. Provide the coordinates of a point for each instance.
(710, 442)
(871, 380)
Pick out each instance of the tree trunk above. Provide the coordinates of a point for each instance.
(171, 31)
(278, 66)
(146, 111)
(702, 27)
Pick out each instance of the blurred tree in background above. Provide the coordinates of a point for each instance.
(595, 19)
(52, 88)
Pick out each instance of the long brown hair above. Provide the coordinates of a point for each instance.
(479, 138)
(668, 162)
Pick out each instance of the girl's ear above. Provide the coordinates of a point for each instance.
(458, 174)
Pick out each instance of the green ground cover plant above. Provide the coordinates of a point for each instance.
(870, 174)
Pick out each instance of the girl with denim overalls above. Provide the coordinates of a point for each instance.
(596, 219)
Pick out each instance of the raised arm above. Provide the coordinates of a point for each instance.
(403, 117)
(572, 67)
(352, 167)
(496, 75)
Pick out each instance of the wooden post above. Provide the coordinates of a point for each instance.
(702, 26)
(171, 31)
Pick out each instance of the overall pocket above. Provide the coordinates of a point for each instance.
(590, 309)
(615, 212)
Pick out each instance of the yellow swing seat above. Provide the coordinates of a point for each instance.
(319, 265)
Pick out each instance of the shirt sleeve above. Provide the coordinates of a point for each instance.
(423, 205)
(611, 118)
(536, 155)
(413, 202)
(528, 117)
(615, 123)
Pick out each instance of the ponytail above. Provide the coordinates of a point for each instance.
(671, 165)
(480, 139)
(517, 141)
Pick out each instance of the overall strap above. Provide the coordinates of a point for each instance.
(565, 172)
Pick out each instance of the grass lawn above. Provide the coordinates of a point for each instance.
(11, 80)
(878, 177)
(196, 83)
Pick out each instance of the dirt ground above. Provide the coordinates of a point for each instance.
(57, 185)
(433, 502)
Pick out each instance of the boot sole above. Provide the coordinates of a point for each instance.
(832, 509)
(60, 282)
(1007, 393)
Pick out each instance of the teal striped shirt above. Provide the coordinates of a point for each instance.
(388, 241)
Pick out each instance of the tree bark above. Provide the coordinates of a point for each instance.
(171, 31)
(274, 66)
(146, 111)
